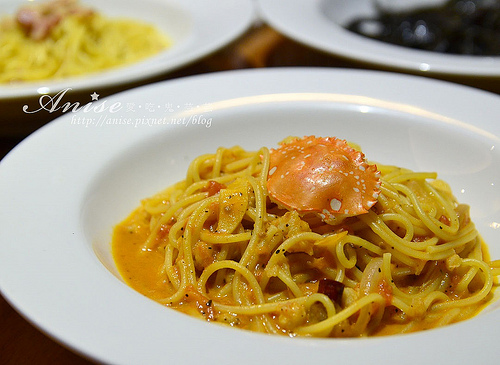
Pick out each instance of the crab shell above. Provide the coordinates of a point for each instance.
(322, 175)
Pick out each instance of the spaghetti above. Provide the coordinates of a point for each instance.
(60, 39)
(217, 247)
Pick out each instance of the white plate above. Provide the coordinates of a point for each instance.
(69, 183)
(196, 28)
(320, 24)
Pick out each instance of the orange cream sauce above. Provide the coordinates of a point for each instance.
(141, 269)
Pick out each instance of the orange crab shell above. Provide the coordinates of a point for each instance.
(323, 175)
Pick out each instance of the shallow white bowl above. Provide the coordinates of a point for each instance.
(66, 186)
(196, 28)
(320, 24)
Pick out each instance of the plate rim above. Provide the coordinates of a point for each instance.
(341, 42)
(206, 329)
(245, 11)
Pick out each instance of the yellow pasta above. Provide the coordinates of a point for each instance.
(217, 247)
(73, 43)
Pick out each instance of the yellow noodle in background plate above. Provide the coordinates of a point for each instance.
(214, 246)
(79, 42)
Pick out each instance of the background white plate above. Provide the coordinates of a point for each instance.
(66, 186)
(320, 24)
(196, 27)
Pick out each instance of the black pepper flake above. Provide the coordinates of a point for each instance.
(277, 251)
(379, 269)
(209, 303)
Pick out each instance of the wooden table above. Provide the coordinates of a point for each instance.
(261, 46)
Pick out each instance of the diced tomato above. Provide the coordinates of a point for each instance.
(213, 187)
